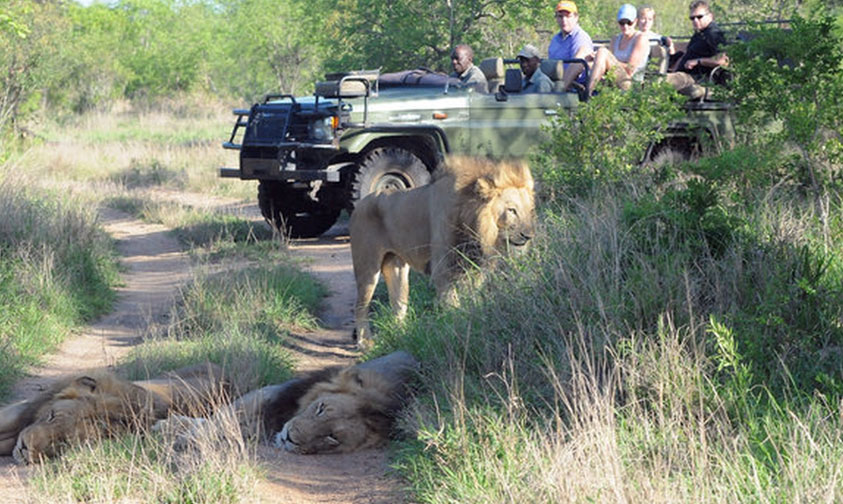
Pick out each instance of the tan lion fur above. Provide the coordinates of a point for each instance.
(474, 211)
(100, 404)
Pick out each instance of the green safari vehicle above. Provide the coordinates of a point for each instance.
(362, 132)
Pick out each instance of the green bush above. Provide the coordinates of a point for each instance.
(789, 85)
(604, 140)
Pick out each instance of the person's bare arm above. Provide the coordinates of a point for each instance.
(721, 59)
(639, 53)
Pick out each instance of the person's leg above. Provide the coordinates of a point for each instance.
(680, 80)
(572, 71)
(604, 60)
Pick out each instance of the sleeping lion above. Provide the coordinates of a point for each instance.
(474, 211)
(100, 404)
(333, 410)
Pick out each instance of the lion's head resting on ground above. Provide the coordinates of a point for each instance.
(84, 408)
(494, 204)
(354, 410)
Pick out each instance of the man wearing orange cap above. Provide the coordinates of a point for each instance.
(571, 42)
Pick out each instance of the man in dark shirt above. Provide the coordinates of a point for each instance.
(462, 60)
(703, 51)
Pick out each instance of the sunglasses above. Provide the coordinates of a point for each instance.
(624, 22)
(697, 17)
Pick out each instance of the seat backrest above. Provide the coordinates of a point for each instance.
(658, 59)
(512, 82)
(493, 69)
(554, 69)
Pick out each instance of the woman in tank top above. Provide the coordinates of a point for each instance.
(628, 54)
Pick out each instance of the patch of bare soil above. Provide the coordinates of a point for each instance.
(156, 268)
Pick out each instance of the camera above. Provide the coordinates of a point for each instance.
(663, 41)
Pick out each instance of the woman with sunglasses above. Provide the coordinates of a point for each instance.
(628, 54)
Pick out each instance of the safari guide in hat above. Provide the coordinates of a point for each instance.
(571, 42)
(534, 81)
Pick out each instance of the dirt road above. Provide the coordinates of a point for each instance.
(155, 268)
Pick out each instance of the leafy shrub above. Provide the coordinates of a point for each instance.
(604, 140)
(789, 84)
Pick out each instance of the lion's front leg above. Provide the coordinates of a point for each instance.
(11, 423)
(396, 274)
(443, 274)
(365, 290)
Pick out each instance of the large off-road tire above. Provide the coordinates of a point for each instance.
(387, 169)
(293, 212)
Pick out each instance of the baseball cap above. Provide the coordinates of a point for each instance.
(566, 5)
(529, 51)
(628, 12)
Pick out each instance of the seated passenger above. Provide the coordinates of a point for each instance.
(535, 81)
(627, 56)
(646, 20)
(570, 43)
(462, 60)
(702, 54)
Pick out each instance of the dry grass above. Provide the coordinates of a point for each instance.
(132, 149)
(216, 465)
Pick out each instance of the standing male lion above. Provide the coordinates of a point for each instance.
(475, 210)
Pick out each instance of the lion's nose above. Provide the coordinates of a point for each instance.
(520, 239)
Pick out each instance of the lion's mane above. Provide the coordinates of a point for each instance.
(354, 409)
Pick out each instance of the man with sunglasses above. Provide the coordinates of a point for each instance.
(571, 42)
(703, 51)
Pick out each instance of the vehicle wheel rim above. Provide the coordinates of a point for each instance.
(392, 181)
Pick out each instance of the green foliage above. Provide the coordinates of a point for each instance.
(793, 80)
(389, 35)
(693, 214)
(56, 272)
(603, 141)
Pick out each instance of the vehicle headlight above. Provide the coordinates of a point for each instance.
(323, 129)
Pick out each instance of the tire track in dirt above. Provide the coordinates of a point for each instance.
(156, 267)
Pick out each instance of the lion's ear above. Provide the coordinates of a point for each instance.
(485, 188)
(87, 381)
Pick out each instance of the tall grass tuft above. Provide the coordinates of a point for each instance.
(57, 271)
(239, 318)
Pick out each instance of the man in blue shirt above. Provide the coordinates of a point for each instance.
(571, 42)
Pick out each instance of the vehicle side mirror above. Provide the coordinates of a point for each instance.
(500, 94)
